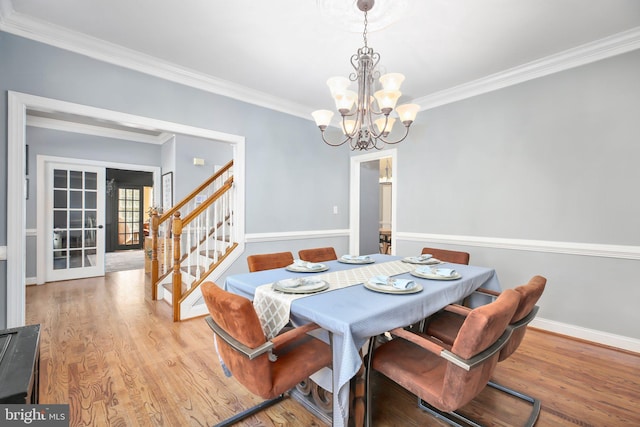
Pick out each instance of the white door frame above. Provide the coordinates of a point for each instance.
(354, 196)
(18, 104)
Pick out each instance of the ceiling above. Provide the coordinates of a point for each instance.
(280, 53)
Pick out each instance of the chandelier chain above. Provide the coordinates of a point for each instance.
(364, 33)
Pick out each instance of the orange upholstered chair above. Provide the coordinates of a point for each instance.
(445, 326)
(269, 261)
(266, 368)
(445, 255)
(318, 254)
(444, 377)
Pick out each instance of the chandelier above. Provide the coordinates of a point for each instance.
(366, 121)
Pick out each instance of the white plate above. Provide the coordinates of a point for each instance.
(300, 269)
(413, 260)
(356, 261)
(435, 276)
(387, 289)
(307, 286)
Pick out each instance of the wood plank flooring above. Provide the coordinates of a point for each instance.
(117, 359)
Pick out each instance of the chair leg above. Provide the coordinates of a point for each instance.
(535, 410)
(247, 413)
(451, 418)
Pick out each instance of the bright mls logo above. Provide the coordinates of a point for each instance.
(34, 415)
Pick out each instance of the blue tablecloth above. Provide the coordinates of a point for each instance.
(354, 314)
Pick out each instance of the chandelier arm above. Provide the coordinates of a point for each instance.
(332, 143)
(406, 133)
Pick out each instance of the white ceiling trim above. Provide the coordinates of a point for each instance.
(24, 26)
(67, 126)
(616, 44)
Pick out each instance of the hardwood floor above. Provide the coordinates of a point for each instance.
(117, 359)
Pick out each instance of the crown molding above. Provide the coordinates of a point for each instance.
(33, 29)
(24, 26)
(607, 47)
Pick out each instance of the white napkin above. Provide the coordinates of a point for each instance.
(290, 283)
(307, 264)
(390, 281)
(421, 258)
(357, 257)
(442, 272)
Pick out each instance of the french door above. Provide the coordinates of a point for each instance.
(74, 223)
(130, 216)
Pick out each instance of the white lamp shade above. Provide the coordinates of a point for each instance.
(348, 126)
(338, 84)
(387, 98)
(380, 124)
(322, 117)
(345, 99)
(408, 112)
(391, 81)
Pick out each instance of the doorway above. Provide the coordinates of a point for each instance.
(19, 103)
(357, 198)
(127, 203)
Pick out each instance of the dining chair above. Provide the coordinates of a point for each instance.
(456, 257)
(267, 368)
(445, 326)
(445, 377)
(318, 254)
(269, 261)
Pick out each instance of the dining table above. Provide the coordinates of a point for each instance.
(352, 313)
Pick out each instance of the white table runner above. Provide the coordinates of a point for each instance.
(273, 307)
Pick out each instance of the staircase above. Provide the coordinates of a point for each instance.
(191, 241)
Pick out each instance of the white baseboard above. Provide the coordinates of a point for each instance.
(30, 281)
(612, 340)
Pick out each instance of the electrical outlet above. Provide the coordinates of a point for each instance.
(335, 210)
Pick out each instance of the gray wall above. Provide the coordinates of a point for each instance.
(188, 176)
(553, 159)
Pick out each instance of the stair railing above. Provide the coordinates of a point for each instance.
(162, 236)
(201, 240)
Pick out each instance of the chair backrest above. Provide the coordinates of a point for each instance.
(318, 254)
(529, 296)
(456, 257)
(269, 261)
(481, 329)
(236, 315)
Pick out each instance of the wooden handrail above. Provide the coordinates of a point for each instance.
(166, 215)
(210, 200)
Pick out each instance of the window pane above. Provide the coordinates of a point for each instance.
(75, 259)
(59, 219)
(59, 178)
(75, 219)
(75, 199)
(75, 179)
(59, 198)
(91, 180)
(75, 239)
(90, 199)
